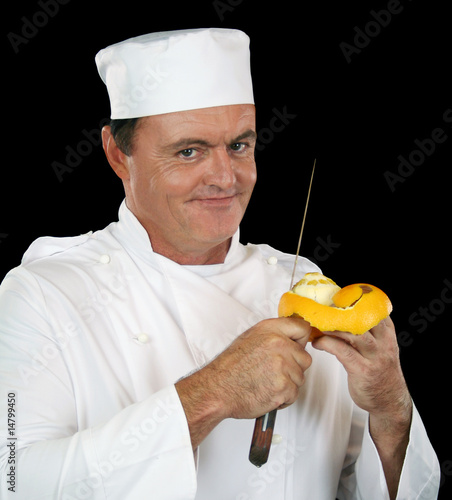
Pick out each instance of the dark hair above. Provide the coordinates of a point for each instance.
(123, 132)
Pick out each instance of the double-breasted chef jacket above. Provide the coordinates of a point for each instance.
(95, 330)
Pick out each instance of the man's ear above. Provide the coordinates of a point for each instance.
(116, 158)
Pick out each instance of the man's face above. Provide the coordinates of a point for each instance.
(190, 177)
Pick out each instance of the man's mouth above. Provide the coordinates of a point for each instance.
(216, 201)
(223, 199)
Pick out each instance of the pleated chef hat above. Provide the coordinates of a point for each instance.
(176, 71)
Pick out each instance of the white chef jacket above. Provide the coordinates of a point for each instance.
(94, 332)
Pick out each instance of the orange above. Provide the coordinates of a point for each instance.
(355, 308)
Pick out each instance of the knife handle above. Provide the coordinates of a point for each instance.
(262, 438)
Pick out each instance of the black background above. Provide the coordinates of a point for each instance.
(355, 116)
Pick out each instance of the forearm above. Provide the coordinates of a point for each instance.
(391, 437)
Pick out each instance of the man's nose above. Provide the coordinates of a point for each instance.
(220, 170)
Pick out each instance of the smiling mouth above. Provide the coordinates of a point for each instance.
(216, 201)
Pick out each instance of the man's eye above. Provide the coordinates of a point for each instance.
(188, 153)
(238, 146)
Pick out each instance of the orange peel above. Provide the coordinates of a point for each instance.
(327, 307)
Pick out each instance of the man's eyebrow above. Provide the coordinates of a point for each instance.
(249, 134)
(187, 142)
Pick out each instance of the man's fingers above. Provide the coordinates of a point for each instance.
(367, 343)
(347, 355)
(263, 368)
(384, 330)
(302, 358)
(353, 350)
(297, 329)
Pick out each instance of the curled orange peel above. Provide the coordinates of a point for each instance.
(327, 307)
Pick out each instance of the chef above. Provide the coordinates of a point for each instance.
(138, 356)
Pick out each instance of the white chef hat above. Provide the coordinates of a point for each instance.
(176, 71)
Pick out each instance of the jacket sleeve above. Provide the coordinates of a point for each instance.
(363, 477)
(144, 451)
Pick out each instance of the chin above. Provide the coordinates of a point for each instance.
(214, 237)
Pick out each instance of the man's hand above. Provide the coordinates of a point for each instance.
(261, 370)
(377, 385)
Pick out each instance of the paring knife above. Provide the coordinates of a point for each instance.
(263, 428)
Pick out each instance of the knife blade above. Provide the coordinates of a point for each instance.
(263, 428)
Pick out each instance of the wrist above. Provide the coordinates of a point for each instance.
(391, 434)
(390, 431)
(396, 418)
(203, 406)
